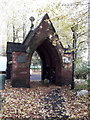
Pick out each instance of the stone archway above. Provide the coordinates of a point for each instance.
(51, 62)
(40, 40)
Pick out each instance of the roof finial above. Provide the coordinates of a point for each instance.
(32, 20)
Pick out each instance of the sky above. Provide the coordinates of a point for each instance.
(3, 62)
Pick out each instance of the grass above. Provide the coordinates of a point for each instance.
(82, 86)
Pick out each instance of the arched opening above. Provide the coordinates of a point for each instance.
(35, 67)
(51, 62)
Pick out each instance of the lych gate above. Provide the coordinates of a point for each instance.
(41, 40)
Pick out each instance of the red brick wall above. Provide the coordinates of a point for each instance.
(66, 76)
(20, 74)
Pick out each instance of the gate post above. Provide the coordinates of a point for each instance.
(20, 74)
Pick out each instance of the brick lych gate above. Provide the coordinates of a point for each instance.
(53, 58)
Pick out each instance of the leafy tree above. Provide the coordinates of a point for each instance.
(36, 61)
(82, 70)
(66, 16)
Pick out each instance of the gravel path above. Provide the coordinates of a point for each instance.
(53, 104)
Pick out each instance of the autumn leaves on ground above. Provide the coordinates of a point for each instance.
(43, 103)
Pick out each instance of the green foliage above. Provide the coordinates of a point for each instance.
(36, 61)
(81, 70)
(64, 17)
(81, 87)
